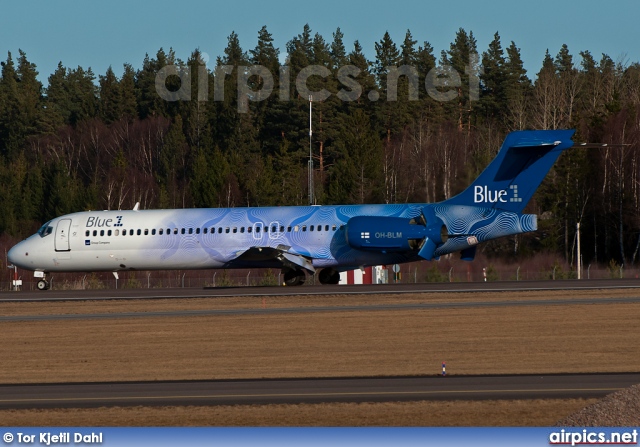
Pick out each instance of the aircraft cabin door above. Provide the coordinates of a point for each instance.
(62, 235)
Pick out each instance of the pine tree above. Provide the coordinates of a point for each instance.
(58, 103)
(128, 93)
(110, 104)
(518, 90)
(463, 58)
(494, 95)
(265, 112)
(338, 50)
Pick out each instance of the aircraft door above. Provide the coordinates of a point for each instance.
(62, 235)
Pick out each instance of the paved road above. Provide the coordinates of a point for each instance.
(314, 390)
(127, 294)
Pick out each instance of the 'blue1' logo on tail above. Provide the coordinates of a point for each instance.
(482, 194)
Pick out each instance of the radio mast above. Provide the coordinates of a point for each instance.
(311, 195)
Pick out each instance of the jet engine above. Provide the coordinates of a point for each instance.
(397, 234)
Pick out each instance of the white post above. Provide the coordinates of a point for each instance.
(311, 200)
(579, 262)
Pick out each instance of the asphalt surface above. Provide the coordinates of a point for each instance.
(314, 390)
(503, 286)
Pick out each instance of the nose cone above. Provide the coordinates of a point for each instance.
(18, 256)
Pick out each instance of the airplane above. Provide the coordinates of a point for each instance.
(299, 240)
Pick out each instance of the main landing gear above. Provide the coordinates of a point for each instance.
(329, 276)
(293, 277)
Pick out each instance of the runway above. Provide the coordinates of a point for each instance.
(224, 292)
(313, 390)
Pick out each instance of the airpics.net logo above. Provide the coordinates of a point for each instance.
(256, 83)
(588, 437)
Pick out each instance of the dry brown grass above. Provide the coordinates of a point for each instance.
(495, 340)
(401, 414)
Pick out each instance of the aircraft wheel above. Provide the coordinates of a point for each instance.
(42, 285)
(294, 277)
(329, 276)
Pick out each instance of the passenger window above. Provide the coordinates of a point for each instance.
(235, 229)
(101, 232)
(130, 232)
(175, 231)
(117, 232)
(248, 229)
(241, 229)
(190, 230)
(257, 229)
(281, 229)
(95, 232)
(183, 231)
(333, 228)
(139, 232)
(160, 231)
(311, 228)
(296, 228)
(87, 233)
(289, 229)
(304, 228)
(146, 232)
(109, 233)
(124, 232)
(226, 230)
(326, 228)
(153, 232)
(204, 230)
(219, 230)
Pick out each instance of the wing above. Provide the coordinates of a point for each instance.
(271, 257)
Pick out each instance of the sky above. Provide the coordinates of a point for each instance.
(96, 34)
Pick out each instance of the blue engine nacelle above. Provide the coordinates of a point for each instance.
(396, 234)
(384, 234)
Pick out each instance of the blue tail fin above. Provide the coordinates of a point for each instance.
(510, 180)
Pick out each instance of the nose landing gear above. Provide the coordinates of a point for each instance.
(42, 283)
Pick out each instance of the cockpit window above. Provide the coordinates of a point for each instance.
(45, 230)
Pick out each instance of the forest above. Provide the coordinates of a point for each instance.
(101, 141)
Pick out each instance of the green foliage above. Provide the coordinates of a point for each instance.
(224, 280)
(87, 141)
(492, 273)
(615, 270)
(434, 275)
(270, 278)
